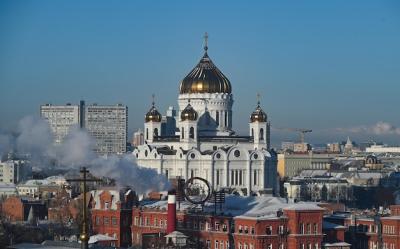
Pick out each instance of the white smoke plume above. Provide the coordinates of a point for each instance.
(33, 136)
(380, 128)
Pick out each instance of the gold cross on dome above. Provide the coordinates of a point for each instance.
(206, 41)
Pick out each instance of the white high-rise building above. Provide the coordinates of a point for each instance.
(61, 118)
(15, 171)
(108, 125)
(204, 143)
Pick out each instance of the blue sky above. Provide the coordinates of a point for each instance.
(332, 66)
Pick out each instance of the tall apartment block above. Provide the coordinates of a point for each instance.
(61, 118)
(107, 124)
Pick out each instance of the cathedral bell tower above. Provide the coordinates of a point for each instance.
(259, 127)
(188, 128)
(152, 125)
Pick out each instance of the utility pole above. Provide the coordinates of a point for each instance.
(84, 237)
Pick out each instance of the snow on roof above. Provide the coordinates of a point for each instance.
(255, 207)
(394, 217)
(100, 237)
(330, 225)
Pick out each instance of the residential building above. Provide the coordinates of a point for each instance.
(111, 210)
(243, 222)
(291, 164)
(61, 118)
(15, 171)
(17, 208)
(138, 138)
(108, 126)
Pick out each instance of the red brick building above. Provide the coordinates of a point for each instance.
(112, 213)
(371, 232)
(17, 208)
(243, 223)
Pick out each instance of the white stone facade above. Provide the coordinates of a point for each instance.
(204, 144)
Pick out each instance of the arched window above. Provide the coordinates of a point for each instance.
(147, 133)
(183, 133)
(252, 132)
(217, 117)
(155, 134)
(191, 132)
(261, 134)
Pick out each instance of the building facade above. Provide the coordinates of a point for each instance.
(15, 171)
(111, 211)
(60, 118)
(265, 223)
(107, 124)
(198, 139)
(291, 164)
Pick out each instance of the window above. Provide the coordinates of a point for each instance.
(191, 133)
(136, 222)
(255, 177)
(216, 226)
(240, 246)
(246, 229)
(261, 134)
(106, 204)
(224, 227)
(114, 221)
(252, 230)
(183, 133)
(216, 244)
(217, 177)
(226, 119)
(155, 134)
(147, 221)
(208, 244)
(269, 246)
(155, 222)
(252, 132)
(236, 153)
(105, 220)
(147, 133)
(245, 246)
(308, 228)
(217, 117)
(301, 228)
(240, 229)
(97, 220)
(315, 228)
(268, 230)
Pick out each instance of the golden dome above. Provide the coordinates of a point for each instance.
(205, 78)
(153, 115)
(189, 114)
(258, 115)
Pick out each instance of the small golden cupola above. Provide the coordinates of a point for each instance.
(189, 113)
(258, 115)
(205, 77)
(153, 115)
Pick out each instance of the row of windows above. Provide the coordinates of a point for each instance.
(106, 221)
(268, 230)
(389, 229)
(306, 228)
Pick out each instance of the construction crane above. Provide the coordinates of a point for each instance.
(301, 131)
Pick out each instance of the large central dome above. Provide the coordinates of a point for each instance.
(205, 78)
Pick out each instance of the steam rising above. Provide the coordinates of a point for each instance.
(33, 136)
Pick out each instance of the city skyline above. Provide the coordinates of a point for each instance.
(330, 67)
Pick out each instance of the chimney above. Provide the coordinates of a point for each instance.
(171, 219)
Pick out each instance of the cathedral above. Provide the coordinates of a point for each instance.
(198, 140)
